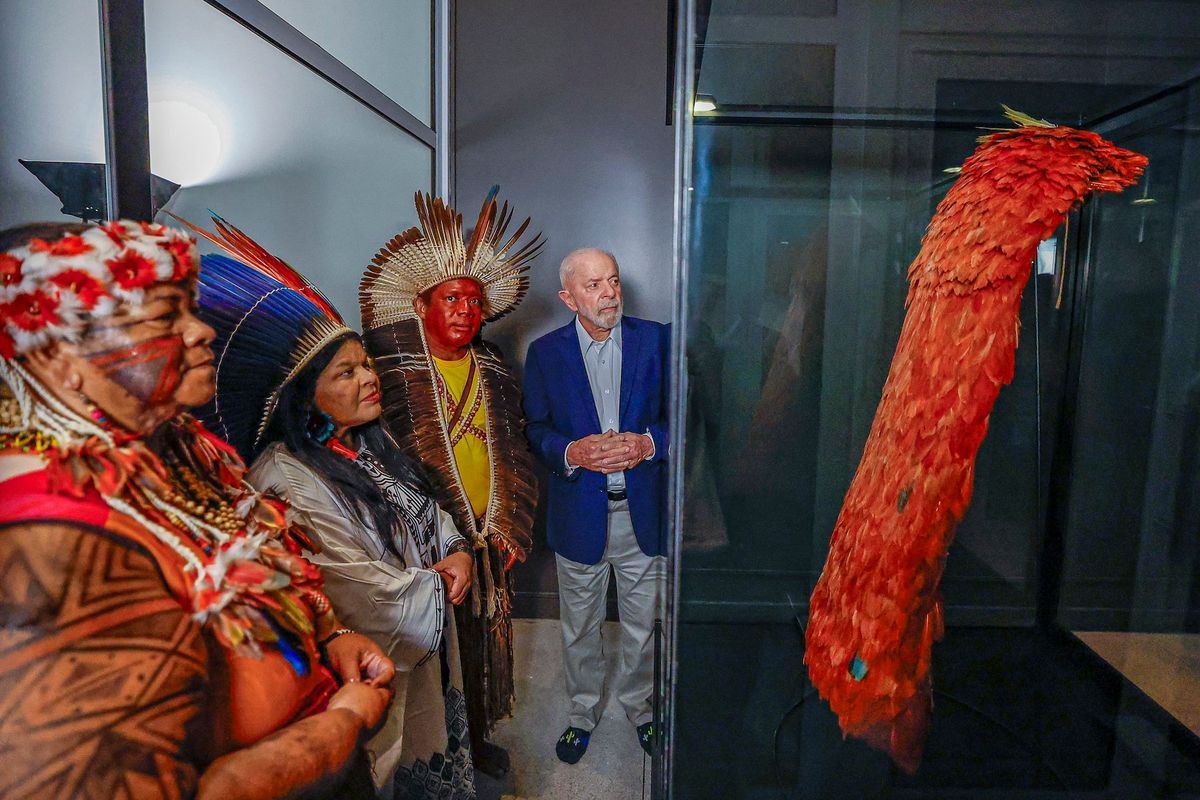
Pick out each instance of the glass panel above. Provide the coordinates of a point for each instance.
(1131, 556)
(767, 75)
(388, 42)
(813, 180)
(1132, 560)
(52, 104)
(312, 174)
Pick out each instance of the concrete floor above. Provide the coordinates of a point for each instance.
(614, 764)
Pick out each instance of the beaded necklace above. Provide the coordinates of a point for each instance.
(26, 442)
(243, 557)
(461, 424)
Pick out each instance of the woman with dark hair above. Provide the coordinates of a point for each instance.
(296, 392)
(159, 634)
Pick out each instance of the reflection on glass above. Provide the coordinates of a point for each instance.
(51, 102)
(1132, 559)
(306, 170)
(1132, 554)
(810, 196)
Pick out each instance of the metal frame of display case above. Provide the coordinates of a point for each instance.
(684, 83)
(126, 95)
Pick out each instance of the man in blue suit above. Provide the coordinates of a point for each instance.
(596, 400)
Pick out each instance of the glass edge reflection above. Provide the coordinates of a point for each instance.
(684, 86)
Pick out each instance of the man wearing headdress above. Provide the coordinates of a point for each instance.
(453, 405)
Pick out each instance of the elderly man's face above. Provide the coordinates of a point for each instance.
(593, 291)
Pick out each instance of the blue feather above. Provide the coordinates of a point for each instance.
(287, 647)
(259, 323)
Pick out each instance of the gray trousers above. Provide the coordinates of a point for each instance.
(582, 597)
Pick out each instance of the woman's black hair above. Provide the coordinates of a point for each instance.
(291, 424)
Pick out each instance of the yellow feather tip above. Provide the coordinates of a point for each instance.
(1024, 120)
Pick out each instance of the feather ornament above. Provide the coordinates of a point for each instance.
(270, 323)
(876, 609)
(241, 247)
(420, 258)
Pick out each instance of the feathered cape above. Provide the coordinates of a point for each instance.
(415, 417)
(876, 611)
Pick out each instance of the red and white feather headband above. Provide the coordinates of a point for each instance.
(50, 290)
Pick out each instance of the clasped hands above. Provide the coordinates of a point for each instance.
(610, 452)
(366, 675)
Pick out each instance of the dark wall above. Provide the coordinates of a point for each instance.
(563, 104)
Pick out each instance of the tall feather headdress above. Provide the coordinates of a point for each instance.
(270, 323)
(420, 258)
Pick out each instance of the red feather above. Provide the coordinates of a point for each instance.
(876, 609)
(252, 254)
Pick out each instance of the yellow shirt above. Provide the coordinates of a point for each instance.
(471, 451)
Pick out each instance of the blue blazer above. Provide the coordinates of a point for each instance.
(559, 409)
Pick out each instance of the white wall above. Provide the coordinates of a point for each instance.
(51, 98)
(388, 42)
(313, 175)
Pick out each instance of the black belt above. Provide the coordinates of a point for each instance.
(615, 496)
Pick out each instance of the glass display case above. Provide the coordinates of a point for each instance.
(819, 138)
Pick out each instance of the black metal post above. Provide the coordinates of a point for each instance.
(126, 108)
(656, 761)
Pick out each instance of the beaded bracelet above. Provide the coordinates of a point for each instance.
(325, 642)
(459, 546)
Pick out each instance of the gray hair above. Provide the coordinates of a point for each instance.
(575, 256)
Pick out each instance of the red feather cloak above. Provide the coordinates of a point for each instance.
(876, 610)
